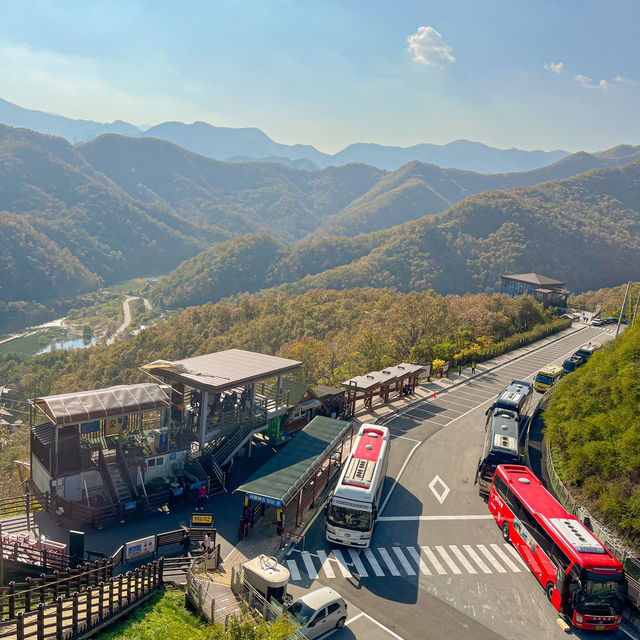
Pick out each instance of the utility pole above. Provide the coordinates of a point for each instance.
(635, 311)
(624, 304)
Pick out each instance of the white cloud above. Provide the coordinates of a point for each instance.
(427, 47)
(554, 67)
(588, 83)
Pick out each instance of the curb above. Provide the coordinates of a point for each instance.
(481, 373)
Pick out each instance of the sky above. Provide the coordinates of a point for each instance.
(539, 74)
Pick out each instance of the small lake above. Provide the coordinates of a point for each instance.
(44, 341)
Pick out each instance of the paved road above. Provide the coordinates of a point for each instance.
(127, 316)
(438, 566)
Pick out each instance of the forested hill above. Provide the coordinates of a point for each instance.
(593, 427)
(120, 207)
(584, 230)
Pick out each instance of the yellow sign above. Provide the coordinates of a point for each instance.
(111, 427)
(201, 518)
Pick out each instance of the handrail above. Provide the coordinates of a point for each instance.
(124, 472)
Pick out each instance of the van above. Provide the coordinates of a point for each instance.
(586, 350)
(572, 363)
(547, 377)
(318, 612)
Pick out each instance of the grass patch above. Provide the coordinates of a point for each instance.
(162, 616)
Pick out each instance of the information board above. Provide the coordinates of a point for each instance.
(138, 548)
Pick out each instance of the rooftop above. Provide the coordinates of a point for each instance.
(222, 370)
(534, 279)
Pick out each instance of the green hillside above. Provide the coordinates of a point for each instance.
(566, 229)
(593, 427)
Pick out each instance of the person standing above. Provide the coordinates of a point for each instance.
(202, 494)
(186, 543)
(473, 368)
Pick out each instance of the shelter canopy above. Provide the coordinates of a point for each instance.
(374, 379)
(281, 477)
(85, 406)
(222, 370)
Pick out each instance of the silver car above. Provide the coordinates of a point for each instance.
(318, 612)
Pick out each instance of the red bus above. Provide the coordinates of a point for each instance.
(581, 577)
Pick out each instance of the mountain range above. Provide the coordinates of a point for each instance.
(119, 207)
(252, 144)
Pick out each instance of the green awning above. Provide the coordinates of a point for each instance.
(280, 478)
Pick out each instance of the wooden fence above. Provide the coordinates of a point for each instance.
(85, 613)
(26, 596)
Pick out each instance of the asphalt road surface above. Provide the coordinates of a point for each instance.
(438, 566)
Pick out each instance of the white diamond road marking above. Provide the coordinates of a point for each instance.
(487, 554)
(415, 554)
(388, 561)
(505, 558)
(309, 566)
(377, 569)
(358, 564)
(447, 558)
(476, 558)
(463, 561)
(441, 496)
(326, 564)
(434, 561)
(293, 570)
(342, 565)
(403, 561)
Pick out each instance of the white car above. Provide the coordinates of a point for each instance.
(318, 612)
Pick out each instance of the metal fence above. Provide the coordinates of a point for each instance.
(626, 555)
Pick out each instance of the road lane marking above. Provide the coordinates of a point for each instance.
(434, 561)
(293, 570)
(403, 561)
(463, 561)
(476, 558)
(441, 496)
(415, 554)
(358, 564)
(342, 565)
(515, 554)
(377, 569)
(384, 554)
(487, 554)
(412, 518)
(309, 566)
(447, 558)
(505, 558)
(326, 564)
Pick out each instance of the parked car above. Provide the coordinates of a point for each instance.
(318, 612)
(572, 363)
(610, 320)
(597, 322)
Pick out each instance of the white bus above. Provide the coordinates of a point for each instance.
(351, 513)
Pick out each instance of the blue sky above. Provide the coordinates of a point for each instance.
(518, 73)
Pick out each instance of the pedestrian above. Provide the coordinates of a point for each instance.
(460, 369)
(473, 368)
(186, 543)
(59, 514)
(202, 494)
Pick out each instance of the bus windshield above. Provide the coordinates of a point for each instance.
(602, 595)
(350, 518)
(543, 379)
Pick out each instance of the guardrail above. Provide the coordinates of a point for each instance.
(626, 556)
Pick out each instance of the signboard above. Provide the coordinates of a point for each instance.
(272, 502)
(202, 519)
(177, 491)
(130, 506)
(90, 427)
(273, 429)
(427, 371)
(138, 548)
(197, 485)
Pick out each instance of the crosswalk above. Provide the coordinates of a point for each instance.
(397, 561)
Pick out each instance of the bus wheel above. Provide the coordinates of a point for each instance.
(549, 590)
(505, 531)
